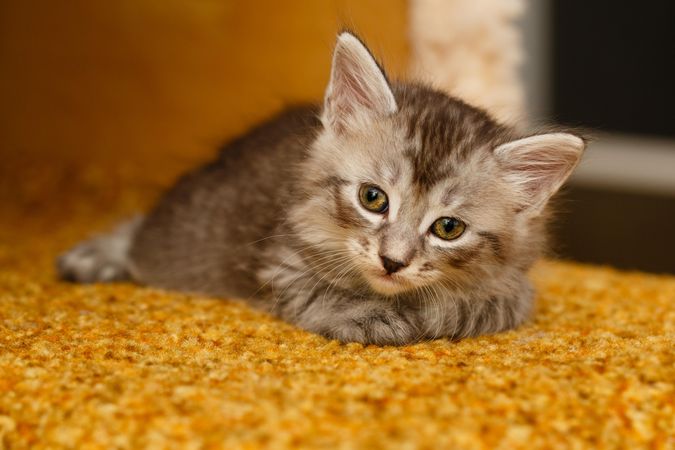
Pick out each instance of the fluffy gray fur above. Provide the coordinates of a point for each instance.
(277, 218)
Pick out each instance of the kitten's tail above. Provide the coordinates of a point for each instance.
(103, 258)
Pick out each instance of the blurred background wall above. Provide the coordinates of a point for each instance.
(146, 80)
(609, 67)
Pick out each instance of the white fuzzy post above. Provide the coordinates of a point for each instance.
(471, 49)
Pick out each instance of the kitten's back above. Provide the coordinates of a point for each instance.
(200, 236)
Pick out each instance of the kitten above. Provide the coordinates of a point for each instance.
(394, 214)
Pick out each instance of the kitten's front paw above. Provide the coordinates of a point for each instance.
(380, 327)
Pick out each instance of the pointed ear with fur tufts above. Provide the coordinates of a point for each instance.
(358, 89)
(537, 166)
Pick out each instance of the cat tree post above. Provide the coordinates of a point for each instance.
(475, 55)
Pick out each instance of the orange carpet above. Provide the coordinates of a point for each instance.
(120, 366)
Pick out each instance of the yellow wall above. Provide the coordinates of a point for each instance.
(158, 80)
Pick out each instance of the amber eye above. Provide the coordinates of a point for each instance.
(448, 228)
(373, 198)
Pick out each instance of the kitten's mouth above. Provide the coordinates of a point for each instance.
(388, 284)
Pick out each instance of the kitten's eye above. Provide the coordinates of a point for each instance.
(373, 198)
(448, 228)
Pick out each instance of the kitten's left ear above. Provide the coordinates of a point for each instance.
(358, 89)
(537, 166)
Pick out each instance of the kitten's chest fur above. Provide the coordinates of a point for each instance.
(223, 224)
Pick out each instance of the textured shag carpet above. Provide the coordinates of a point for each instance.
(120, 366)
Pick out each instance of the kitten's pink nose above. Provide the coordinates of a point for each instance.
(391, 265)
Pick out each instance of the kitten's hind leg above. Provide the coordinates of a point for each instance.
(103, 258)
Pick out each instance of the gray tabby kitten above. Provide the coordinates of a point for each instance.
(394, 214)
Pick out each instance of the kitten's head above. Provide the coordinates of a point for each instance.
(406, 187)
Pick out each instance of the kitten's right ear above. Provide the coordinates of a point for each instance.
(358, 89)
